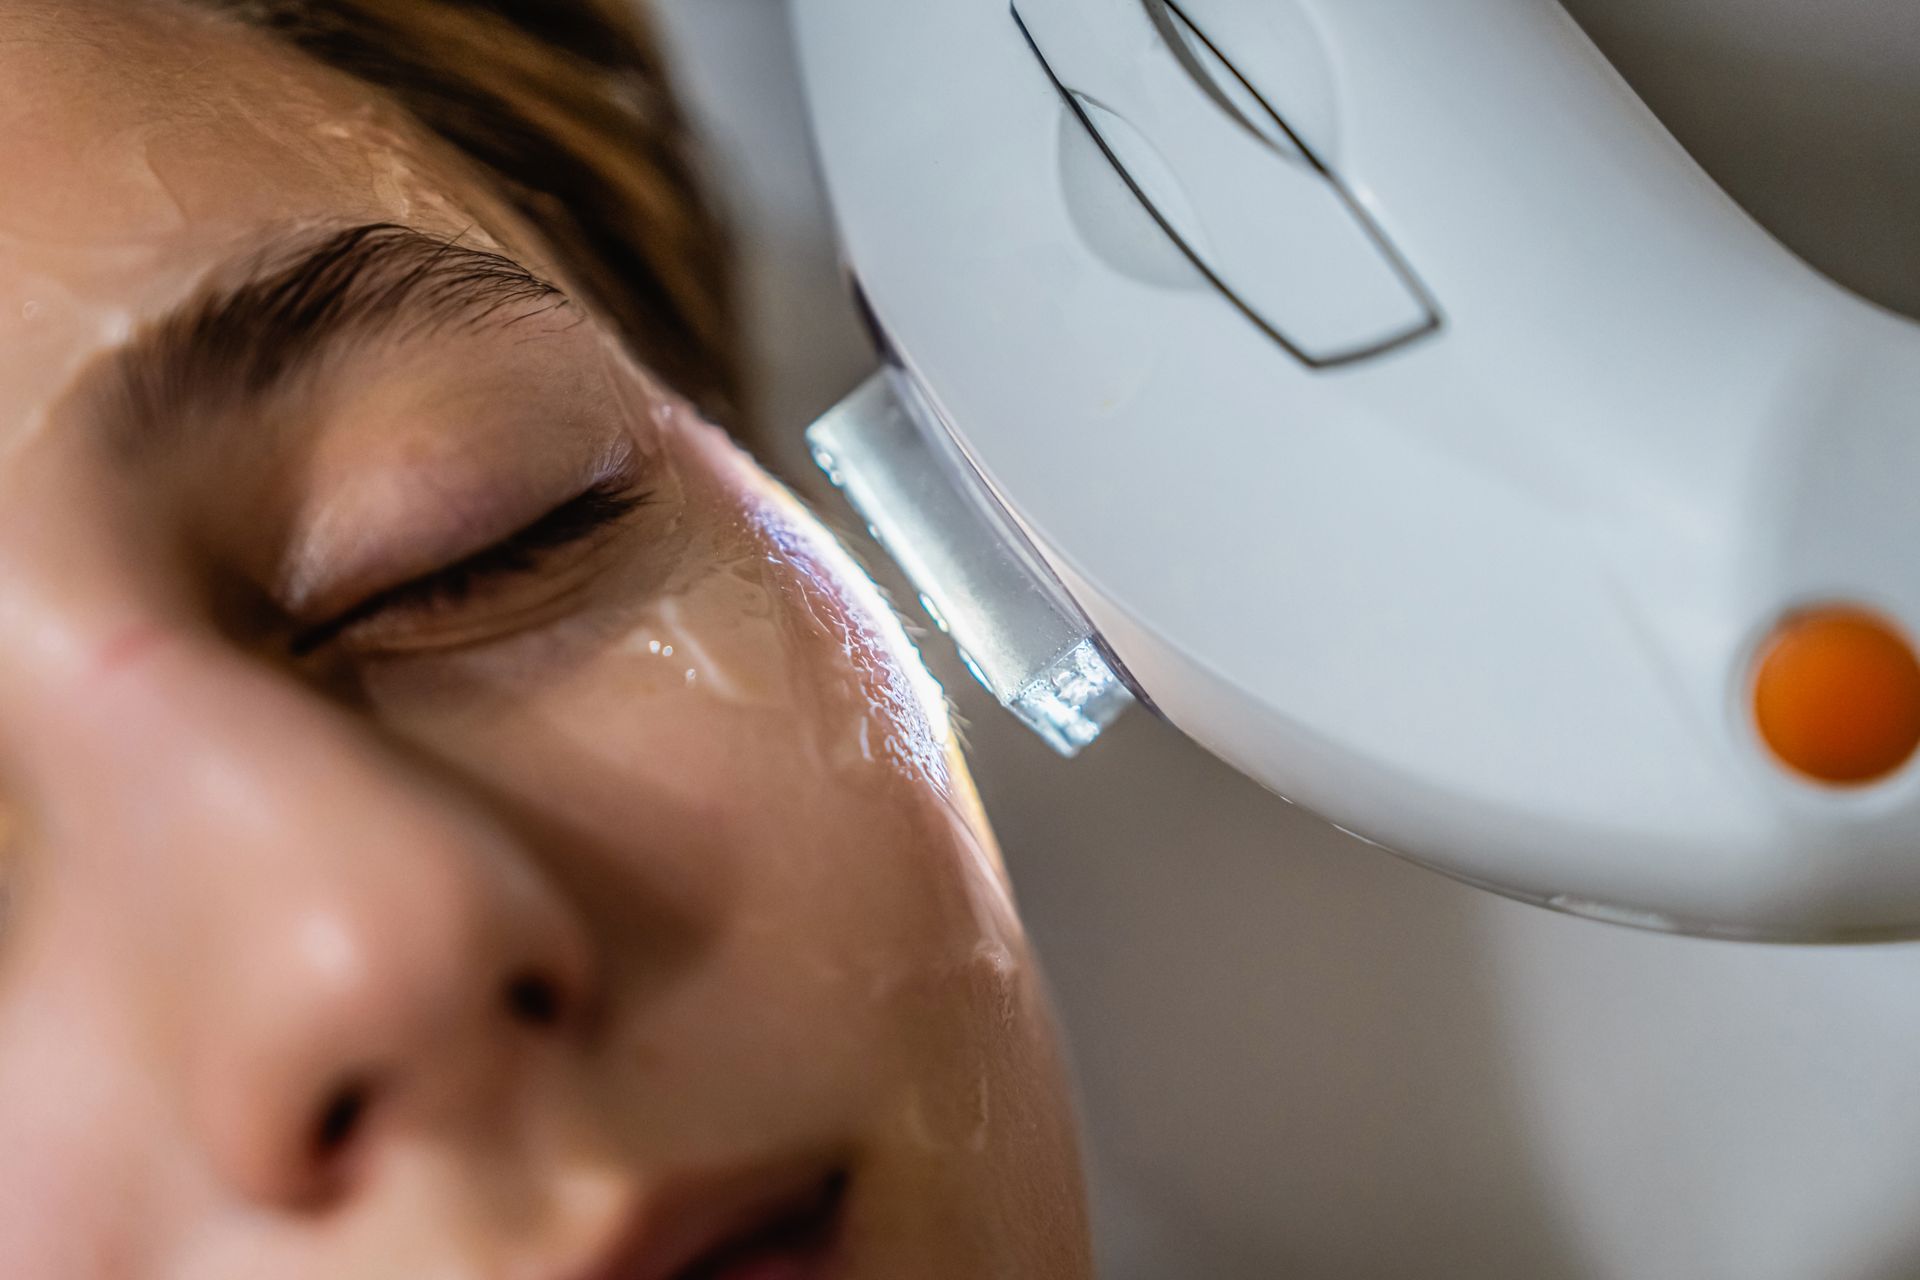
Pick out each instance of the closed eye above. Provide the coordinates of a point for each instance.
(573, 522)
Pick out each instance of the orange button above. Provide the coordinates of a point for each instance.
(1837, 696)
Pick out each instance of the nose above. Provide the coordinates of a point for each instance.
(349, 952)
(423, 991)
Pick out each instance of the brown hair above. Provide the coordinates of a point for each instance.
(568, 107)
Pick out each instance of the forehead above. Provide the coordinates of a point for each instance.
(143, 145)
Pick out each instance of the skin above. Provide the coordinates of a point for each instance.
(690, 773)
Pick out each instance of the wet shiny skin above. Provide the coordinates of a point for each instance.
(688, 772)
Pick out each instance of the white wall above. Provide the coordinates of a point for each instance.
(1302, 1058)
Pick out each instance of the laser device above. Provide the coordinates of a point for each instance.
(1378, 390)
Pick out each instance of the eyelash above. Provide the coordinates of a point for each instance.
(571, 523)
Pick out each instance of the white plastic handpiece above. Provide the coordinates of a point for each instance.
(1494, 597)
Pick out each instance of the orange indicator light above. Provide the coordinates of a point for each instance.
(1836, 696)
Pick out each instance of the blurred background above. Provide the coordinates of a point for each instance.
(1300, 1057)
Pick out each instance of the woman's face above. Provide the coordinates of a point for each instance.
(460, 818)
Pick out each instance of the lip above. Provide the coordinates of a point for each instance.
(765, 1224)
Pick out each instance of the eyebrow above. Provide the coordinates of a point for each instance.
(295, 306)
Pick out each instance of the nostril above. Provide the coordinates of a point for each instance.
(535, 999)
(342, 1119)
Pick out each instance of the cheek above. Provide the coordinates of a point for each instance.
(752, 782)
(751, 774)
(756, 736)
